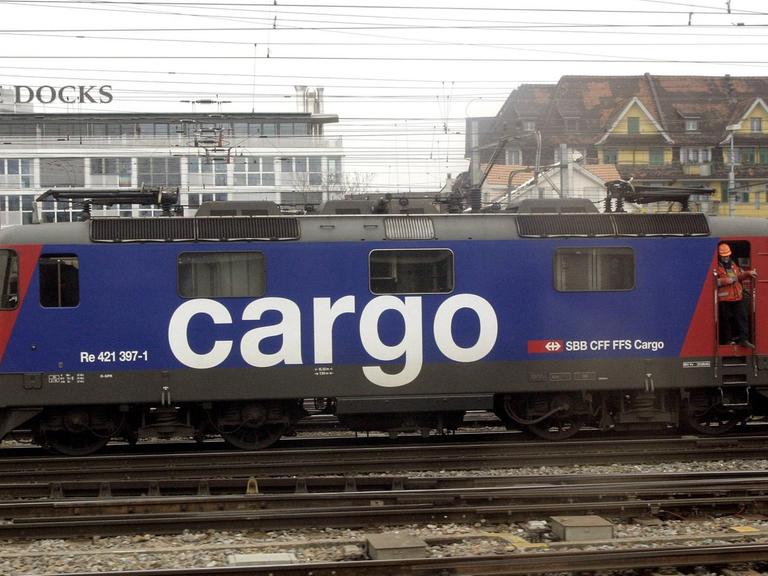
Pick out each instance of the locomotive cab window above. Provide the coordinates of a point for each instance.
(594, 269)
(221, 274)
(411, 271)
(59, 281)
(9, 269)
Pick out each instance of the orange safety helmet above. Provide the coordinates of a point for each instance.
(724, 250)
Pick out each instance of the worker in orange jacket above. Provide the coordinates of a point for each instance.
(734, 318)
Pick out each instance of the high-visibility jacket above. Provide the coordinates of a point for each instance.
(727, 292)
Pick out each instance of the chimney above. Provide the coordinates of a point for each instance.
(301, 102)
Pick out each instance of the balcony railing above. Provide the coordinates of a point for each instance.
(175, 141)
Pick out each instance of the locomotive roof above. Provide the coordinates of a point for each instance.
(377, 227)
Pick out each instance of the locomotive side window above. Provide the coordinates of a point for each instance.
(59, 281)
(411, 271)
(9, 276)
(594, 269)
(221, 274)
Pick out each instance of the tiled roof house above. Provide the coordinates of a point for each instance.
(663, 130)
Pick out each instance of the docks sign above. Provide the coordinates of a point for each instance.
(66, 94)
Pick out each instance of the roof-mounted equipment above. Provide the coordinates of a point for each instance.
(625, 190)
(158, 196)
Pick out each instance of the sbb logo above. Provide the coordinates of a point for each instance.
(545, 346)
(576, 345)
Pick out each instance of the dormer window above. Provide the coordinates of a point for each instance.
(691, 124)
(633, 125)
(756, 124)
(571, 124)
(513, 156)
(529, 125)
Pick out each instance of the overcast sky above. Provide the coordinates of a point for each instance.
(402, 76)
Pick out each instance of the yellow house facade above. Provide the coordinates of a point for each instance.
(671, 131)
(635, 125)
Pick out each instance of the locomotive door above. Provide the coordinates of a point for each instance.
(759, 293)
(729, 332)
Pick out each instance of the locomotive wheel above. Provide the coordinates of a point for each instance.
(254, 437)
(77, 431)
(74, 443)
(710, 419)
(248, 427)
(561, 424)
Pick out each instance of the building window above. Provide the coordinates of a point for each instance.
(594, 269)
(513, 156)
(254, 171)
(268, 129)
(694, 155)
(29, 131)
(743, 197)
(111, 172)
(691, 124)
(63, 131)
(15, 173)
(656, 156)
(159, 171)
(195, 200)
(529, 125)
(334, 175)
(18, 208)
(221, 274)
(54, 211)
(9, 281)
(62, 172)
(633, 125)
(747, 156)
(411, 271)
(763, 156)
(610, 156)
(59, 281)
(204, 172)
(301, 171)
(756, 124)
(571, 124)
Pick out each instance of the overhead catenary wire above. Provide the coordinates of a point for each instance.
(364, 29)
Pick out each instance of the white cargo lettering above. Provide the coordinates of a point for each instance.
(489, 328)
(410, 348)
(289, 329)
(177, 334)
(325, 315)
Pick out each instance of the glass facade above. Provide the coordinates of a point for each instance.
(193, 153)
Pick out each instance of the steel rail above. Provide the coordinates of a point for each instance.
(206, 486)
(503, 565)
(389, 458)
(53, 518)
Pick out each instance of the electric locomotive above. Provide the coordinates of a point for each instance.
(225, 325)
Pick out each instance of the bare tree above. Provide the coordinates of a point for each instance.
(357, 183)
(314, 188)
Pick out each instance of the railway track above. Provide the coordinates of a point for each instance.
(391, 458)
(624, 497)
(715, 558)
(323, 484)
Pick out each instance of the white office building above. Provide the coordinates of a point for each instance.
(282, 157)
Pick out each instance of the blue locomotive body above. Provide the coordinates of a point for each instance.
(109, 330)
